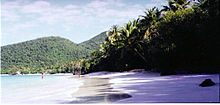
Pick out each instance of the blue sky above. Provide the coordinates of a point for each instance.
(77, 20)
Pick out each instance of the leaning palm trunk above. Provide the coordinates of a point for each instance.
(140, 55)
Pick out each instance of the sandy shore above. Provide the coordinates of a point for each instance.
(147, 87)
(97, 90)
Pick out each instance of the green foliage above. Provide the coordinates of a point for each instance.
(95, 42)
(176, 39)
(183, 35)
(186, 41)
(37, 55)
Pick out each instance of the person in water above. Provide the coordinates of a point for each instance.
(42, 75)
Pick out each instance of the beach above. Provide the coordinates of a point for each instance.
(110, 87)
(97, 90)
(148, 87)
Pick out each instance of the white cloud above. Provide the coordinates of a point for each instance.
(44, 12)
(8, 13)
(70, 6)
(97, 14)
(36, 7)
(9, 16)
(97, 4)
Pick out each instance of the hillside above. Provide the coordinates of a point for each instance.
(95, 42)
(41, 53)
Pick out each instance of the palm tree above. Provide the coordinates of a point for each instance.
(113, 35)
(130, 35)
(150, 17)
(124, 39)
(174, 5)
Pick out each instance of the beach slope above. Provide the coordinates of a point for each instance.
(148, 87)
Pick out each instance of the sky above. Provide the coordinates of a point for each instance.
(76, 20)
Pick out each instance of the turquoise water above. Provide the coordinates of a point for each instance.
(34, 89)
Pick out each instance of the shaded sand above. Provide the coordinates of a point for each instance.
(148, 87)
(96, 90)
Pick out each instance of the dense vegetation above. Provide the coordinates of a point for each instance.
(95, 42)
(183, 36)
(40, 54)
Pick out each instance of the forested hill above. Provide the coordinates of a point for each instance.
(39, 54)
(95, 42)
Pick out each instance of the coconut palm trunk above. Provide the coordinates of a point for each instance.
(141, 55)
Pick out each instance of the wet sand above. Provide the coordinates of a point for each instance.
(97, 90)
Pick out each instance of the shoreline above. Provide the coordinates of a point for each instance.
(138, 87)
(145, 87)
(37, 74)
(150, 87)
(97, 90)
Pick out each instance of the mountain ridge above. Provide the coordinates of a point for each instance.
(95, 42)
(41, 53)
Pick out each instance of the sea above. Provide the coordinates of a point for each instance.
(27, 89)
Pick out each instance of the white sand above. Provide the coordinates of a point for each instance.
(146, 87)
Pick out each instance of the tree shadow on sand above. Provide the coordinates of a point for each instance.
(101, 98)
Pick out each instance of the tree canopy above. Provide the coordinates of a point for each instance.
(181, 36)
